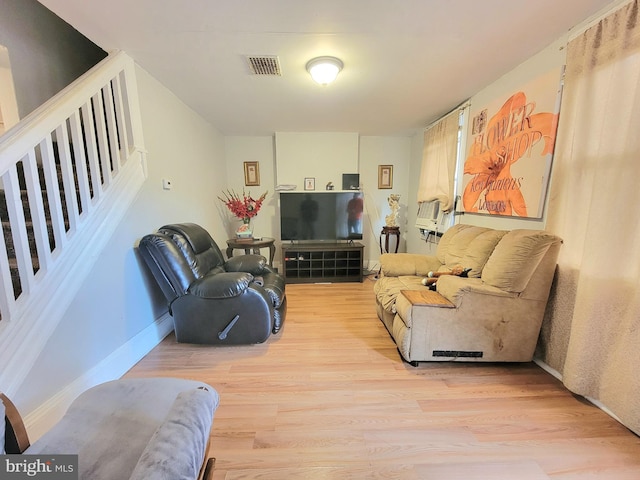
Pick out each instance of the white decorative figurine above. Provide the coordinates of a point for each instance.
(394, 203)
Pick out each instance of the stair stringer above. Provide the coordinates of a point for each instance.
(25, 334)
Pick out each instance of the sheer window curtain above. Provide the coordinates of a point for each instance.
(439, 158)
(592, 333)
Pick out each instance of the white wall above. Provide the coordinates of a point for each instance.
(376, 151)
(8, 103)
(373, 151)
(319, 155)
(119, 299)
(242, 149)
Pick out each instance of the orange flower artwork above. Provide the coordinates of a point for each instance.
(514, 133)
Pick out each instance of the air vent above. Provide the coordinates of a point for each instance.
(266, 65)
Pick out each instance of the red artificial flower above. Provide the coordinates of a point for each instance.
(242, 207)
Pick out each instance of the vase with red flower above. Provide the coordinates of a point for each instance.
(245, 230)
(244, 207)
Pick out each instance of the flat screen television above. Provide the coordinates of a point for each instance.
(321, 216)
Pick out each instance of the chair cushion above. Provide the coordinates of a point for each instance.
(515, 258)
(110, 425)
(199, 249)
(397, 264)
(197, 237)
(387, 289)
(479, 250)
(445, 241)
(167, 264)
(459, 245)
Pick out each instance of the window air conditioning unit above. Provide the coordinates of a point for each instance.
(431, 219)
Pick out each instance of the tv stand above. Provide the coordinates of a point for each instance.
(323, 262)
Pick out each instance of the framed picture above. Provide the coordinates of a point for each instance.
(309, 183)
(251, 174)
(385, 176)
(517, 184)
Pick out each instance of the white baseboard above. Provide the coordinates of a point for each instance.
(114, 366)
(547, 368)
(558, 375)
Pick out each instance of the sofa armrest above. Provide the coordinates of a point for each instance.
(178, 448)
(253, 264)
(454, 288)
(221, 285)
(398, 264)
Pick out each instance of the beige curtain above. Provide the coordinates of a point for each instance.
(593, 335)
(439, 158)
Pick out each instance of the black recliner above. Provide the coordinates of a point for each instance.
(213, 301)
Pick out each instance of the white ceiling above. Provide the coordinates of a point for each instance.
(407, 62)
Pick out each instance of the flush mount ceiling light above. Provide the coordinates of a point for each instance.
(324, 70)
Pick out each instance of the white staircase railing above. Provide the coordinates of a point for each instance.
(68, 172)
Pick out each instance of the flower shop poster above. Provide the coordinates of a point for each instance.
(511, 141)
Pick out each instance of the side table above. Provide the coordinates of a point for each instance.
(250, 245)
(388, 232)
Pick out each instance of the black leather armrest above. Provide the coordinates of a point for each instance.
(221, 285)
(253, 264)
(274, 285)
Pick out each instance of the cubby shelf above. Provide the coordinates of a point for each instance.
(322, 262)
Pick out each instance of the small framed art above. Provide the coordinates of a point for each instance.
(309, 183)
(385, 176)
(251, 174)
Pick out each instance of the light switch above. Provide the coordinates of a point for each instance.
(166, 184)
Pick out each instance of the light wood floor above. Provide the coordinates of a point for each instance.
(329, 398)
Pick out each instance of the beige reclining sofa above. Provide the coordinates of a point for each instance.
(494, 315)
